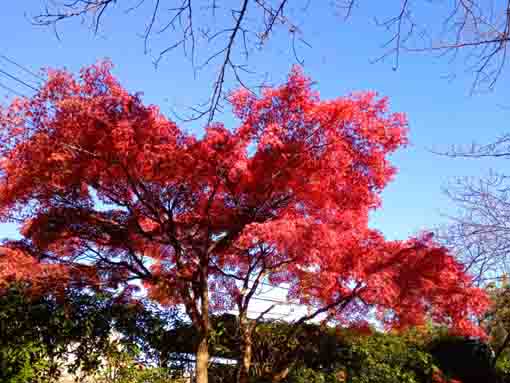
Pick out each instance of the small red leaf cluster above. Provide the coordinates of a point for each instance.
(18, 266)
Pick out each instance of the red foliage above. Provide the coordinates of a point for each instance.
(438, 377)
(100, 179)
(38, 277)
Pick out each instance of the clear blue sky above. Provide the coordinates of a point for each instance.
(441, 113)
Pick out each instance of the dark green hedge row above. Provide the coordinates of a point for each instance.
(36, 332)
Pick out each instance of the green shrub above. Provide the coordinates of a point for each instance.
(308, 375)
(385, 358)
(465, 359)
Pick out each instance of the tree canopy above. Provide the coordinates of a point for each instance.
(107, 190)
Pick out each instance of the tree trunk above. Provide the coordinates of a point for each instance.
(202, 359)
(243, 371)
(281, 372)
(280, 375)
(202, 365)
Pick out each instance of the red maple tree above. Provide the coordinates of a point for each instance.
(107, 187)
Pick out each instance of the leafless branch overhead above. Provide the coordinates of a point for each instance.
(230, 32)
(225, 34)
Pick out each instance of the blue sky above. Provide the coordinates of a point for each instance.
(441, 113)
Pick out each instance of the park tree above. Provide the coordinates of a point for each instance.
(478, 230)
(497, 320)
(107, 191)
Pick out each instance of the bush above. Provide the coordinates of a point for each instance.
(307, 375)
(386, 358)
(465, 359)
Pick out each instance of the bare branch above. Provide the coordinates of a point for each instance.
(480, 233)
(477, 31)
(340, 303)
(228, 41)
